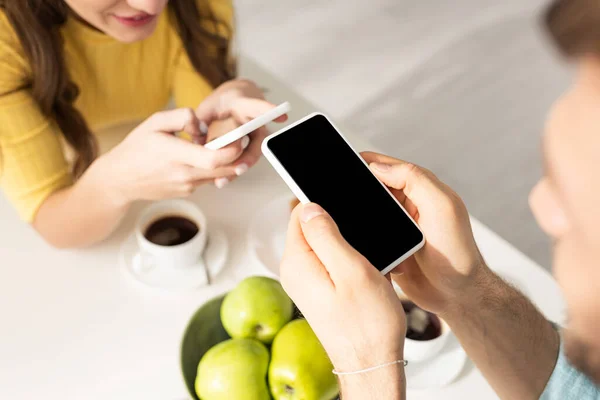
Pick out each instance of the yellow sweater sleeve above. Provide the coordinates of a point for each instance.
(189, 87)
(32, 163)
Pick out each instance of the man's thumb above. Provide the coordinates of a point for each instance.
(323, 236)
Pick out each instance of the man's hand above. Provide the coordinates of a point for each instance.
(440, 275)
(352, 308)
(510, 341)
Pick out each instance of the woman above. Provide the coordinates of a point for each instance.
(71, 67)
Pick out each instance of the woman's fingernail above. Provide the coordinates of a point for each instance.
(311, 211)
(381, 166)
(240, 169)
(220, 183)
(245, 142)
(203, 128)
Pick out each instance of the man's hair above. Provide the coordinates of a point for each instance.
(574, 25)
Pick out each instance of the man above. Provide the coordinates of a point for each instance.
(356, 313)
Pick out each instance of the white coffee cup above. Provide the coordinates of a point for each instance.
(178, 256)
(421, 350)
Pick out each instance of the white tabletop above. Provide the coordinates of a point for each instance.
(74, 326)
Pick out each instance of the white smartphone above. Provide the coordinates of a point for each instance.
(319, 165)
(249, 127)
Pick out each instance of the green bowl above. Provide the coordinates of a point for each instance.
(203, 332)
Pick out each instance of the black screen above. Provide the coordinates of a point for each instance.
(332, 175)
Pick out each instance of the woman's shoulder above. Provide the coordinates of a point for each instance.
(9, 40)
(14, 67)
(222, 9)
(224, 14)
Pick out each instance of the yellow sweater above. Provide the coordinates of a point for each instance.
(118, 83)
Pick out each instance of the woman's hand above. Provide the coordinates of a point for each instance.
(441, 275)
(352, 308)
(231, 105)
(153, 164)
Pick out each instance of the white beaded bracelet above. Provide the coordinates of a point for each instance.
(362, 371)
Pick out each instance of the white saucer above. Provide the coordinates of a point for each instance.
(184, 278)
(438, 371)
(267, 233)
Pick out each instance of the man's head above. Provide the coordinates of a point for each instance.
(566, 201)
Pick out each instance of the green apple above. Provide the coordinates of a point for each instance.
(257, 308)
(300, 367)
(234, 369)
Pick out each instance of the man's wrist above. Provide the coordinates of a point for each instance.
(509, 340)
(384, 383)
(482, 285)
(347, 359)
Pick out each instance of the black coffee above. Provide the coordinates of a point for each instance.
(420, 324)
(171, 231)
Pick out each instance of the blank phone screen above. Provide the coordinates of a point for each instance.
(331, 174)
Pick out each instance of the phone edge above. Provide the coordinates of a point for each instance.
(277, 112)
(279, 168)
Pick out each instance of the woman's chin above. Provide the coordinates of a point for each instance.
(125, 34)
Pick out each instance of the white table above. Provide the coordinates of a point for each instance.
(75, 327)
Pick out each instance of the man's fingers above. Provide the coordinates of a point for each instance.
(413, 282)
(422, 191)
(397, 172)
(417, 184)
(322, 234)
(407, 264)
(371, 157)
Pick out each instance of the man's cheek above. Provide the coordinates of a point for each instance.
(578, 278)
(567, 279)
(561, 269)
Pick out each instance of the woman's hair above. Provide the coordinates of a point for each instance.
(37, 24)
(574, 25)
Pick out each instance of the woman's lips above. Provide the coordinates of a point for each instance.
(136, 20)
